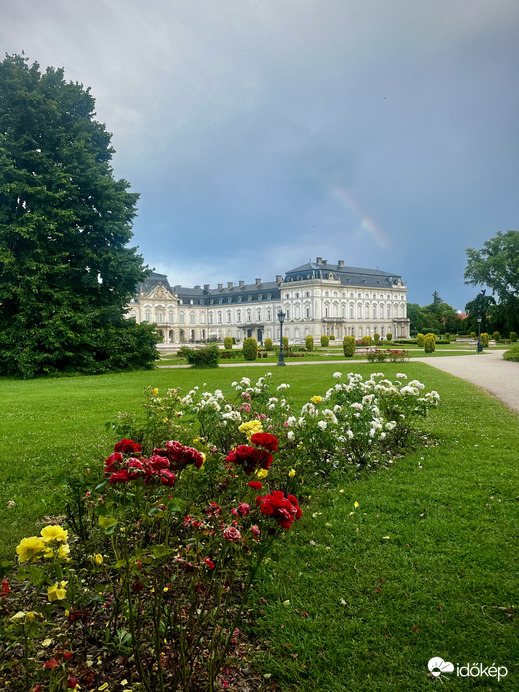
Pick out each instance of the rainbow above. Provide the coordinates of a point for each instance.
(366, 222)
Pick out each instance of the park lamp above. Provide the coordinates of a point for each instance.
(479, 347)
(281, 357)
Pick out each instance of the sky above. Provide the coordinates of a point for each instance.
(261, 134)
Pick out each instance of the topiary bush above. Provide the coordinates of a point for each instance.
(376, 336)
(250, 348)
(285, 342)
(447, 336)
(420, 339)
(206, 357)
(496, 336)
(389, 336)
(332, 337)
(484, 339)
(309, 343)
(268, 345)
(367, 341)
(513, 337)
(227, 342)
(473, 335)
(324, 340)
(429, 343)
(348, 346)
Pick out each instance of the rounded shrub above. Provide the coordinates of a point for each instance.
(268, 345)
(205, 357)
(332, 337)
(420, 340)
(367, 340)
(309, 343)
(429, 343)
(389, 336)
(348, 346)
(447, 336)
(485, 338)
(496, 336)
(513, 337)
(376, 336)
(285, 342)
(250, 348)
(324, 340)
(512, 354)
(473, 335)
(227, 342)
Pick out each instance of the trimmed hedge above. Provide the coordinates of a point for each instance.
(430, 343)
(309, 343)
(512, 354)
(485, 339)
(250, 348)
(348, 346)
(513, 337)
(205, 357)
(324, 340)
(227, 342)
(268, 345)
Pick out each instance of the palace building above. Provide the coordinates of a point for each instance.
(317, 298)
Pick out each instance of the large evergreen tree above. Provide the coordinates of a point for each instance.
(65, 271)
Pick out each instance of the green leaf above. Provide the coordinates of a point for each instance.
(107, 522)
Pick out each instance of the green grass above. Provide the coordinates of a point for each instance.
(449, 567)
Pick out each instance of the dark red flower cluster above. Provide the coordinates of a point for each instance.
(122, 470)
(265, 440)
(180, 456)
(250, 458)
(283, 509)
(128, 447)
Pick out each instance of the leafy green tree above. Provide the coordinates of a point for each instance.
(65, 271)
(497, 266)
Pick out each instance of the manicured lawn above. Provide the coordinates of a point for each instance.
(425, 566)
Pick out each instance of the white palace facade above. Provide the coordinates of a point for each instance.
(317, 298)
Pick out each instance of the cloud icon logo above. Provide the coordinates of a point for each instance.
(437, 666)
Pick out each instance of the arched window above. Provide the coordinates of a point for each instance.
(181, 317)
(219, 317)
(307, 313)
(249, 315)
(159, 317)
(171, 316)
(148, 316)
(202, 318)
(258, 316)
(238, 315)
(366, 312)
(375, 312)
(229, 318)
(210, 318)
(191, 318)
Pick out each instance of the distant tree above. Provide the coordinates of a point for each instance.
(65, 271)
(437, 315)
(482, 306)
(497, 266)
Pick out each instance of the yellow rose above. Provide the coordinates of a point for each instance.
(29, 548)
(155, 391)
(316, 399)
(57, 592)
(262, 473)
(54, 533)
(64, 550)
(291, 473)
(98, 559)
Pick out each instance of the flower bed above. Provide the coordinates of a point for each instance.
(146, 581)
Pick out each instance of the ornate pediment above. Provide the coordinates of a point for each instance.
(160, 293)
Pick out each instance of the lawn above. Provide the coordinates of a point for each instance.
(357, 598)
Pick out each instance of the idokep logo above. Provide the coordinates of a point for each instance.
(437, 666)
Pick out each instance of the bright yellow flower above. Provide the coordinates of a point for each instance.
(250, 428)
(262, 473)
(54, 533)
(355, 504)
(64, 550)
(316, 399)
(203, 456)
(98, 559)
(57, 592)
(164, 420)
(29, 548)
(291, 473)
(155, 391)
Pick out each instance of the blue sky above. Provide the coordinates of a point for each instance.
(263, 133)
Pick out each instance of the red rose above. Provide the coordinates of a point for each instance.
(209, 563)
(72, 682)
(283, 509)
(231, 533)
(265, 440)
(128, 447)
(255, 532)
(256, 485)
(49, 665)
(242, 510)
(158, 462)
(166, 477)
(121, 476)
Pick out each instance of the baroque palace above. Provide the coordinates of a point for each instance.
(317, 298)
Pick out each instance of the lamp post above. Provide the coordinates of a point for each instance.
(479, 347)
(281, 358)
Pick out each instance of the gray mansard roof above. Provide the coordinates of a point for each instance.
(270, 290)
(348, 276)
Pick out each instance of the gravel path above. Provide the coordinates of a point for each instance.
(487, 370)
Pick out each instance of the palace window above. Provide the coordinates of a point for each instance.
(171, 317)
(181, 317)
(191, 318)
(148, 316)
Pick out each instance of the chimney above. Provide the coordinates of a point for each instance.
(340, 263)
(325, 261)
(220, 286)
(197, 286)
(229, 284)
(241, 284)
(319, 260)
(206, 287)
(258, 282)
(279, 279)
